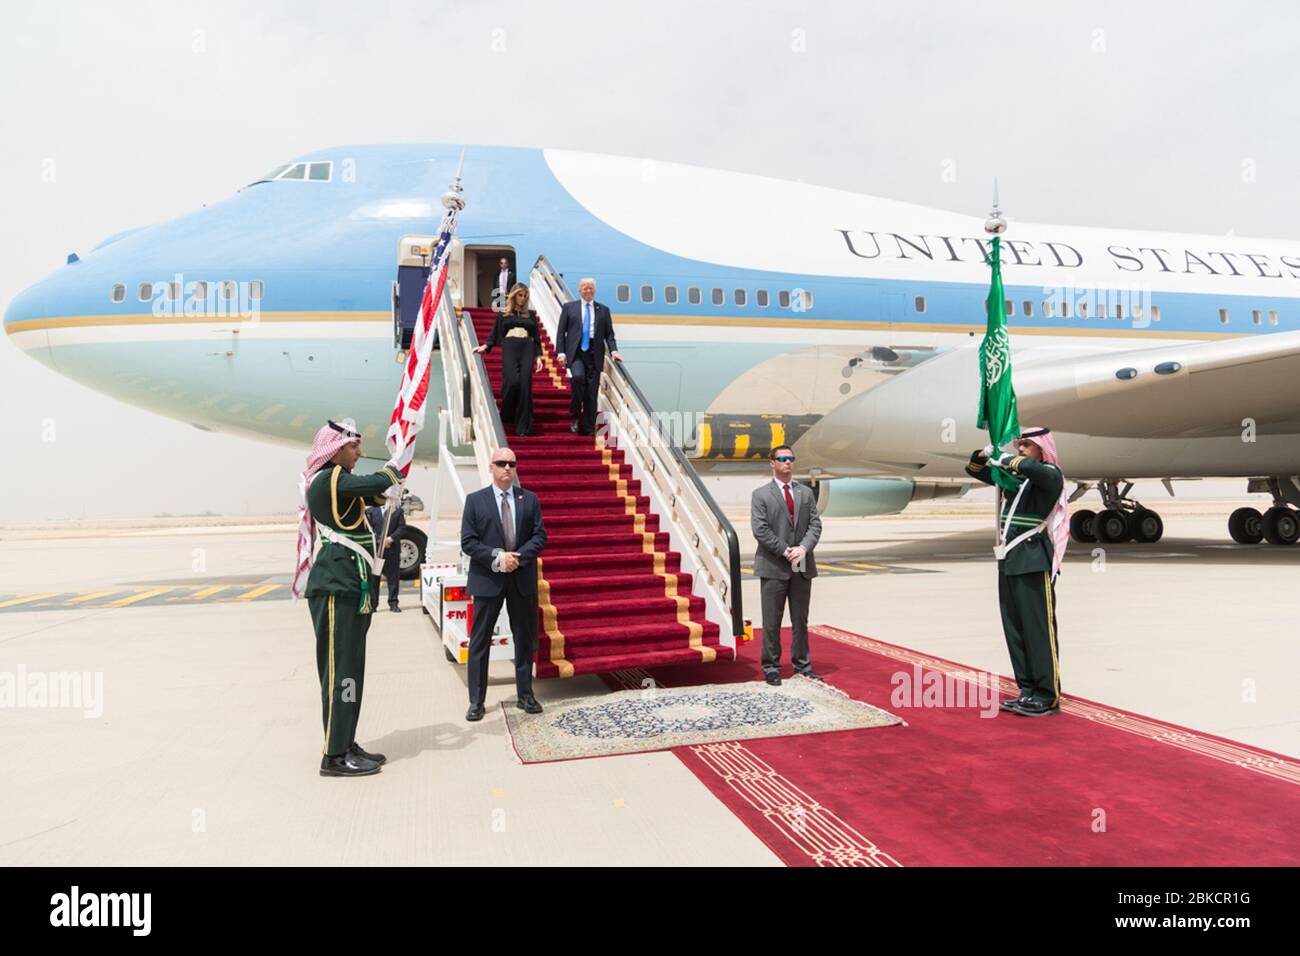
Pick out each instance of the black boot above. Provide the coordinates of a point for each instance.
(356, 751)
(347, 765)
(1036, 707)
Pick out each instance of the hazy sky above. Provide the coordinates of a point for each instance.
(1176, 116)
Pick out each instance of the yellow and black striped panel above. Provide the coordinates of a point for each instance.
(747, 437)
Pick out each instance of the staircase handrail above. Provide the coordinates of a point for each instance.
(489, 432)
(456, 374)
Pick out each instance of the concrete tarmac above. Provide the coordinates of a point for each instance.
(207, 746)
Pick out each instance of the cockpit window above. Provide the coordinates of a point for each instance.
(317, 172)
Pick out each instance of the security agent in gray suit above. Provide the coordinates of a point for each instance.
(784, 519)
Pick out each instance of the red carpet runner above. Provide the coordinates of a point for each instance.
(611, 593)
(1092, 786)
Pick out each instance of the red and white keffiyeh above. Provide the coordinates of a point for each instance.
(1058, 519)
(329, 441)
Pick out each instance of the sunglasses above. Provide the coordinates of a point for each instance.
(505, 464)
(784, 458)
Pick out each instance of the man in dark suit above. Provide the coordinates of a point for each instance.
(390, 548)
(784, 519)
(582, 336)
(502, 283)
(502, 532)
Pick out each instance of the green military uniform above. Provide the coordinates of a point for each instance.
(340, 594)
(1026, 589)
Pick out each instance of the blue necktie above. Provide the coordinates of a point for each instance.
(586, 326)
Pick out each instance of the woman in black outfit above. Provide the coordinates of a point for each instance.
(516, 331)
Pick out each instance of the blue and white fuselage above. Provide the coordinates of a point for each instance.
(733, 295)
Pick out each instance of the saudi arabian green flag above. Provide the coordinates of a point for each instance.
(997, 397)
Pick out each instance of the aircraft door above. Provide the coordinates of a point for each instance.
(482, 267)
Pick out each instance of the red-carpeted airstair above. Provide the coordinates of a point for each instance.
(612, 592)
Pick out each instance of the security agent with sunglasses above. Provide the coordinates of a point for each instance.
(501, 531)
(786, 526)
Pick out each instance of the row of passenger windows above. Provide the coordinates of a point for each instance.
(1256, 317)
(227, 290)
(1085, 310)
(802, 299)
(1102, 310)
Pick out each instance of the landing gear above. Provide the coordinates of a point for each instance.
(1112, 526)
(1246, 525)
(1083, 526)
(412, 543)
(1281, 525)
(1123, 519)
(1146, 526)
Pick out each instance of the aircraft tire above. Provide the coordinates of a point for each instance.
(412, 542)
(1246, 526)
(1281, 526)
(1147, 526)
(1112, 526)
(1083, 526)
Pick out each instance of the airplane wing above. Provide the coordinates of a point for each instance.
(1198, 390)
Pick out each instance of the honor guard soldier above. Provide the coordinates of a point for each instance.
(1032, 533)
(342, 585)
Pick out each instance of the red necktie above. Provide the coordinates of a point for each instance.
(789, 505)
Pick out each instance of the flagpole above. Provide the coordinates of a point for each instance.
(995, 225)
(453, 202)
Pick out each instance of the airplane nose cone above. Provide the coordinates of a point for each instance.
(23, 322)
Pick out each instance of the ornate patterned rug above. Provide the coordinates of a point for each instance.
(658, 718)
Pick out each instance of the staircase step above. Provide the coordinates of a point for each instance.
(597, 614)
(617, 645)
(564, 502)
(597, 509)
(625, 585)
(570, 542)
(562, 455)
(594, 634)
(582, 522)
(577, 468)
(602, 565)
(548, 485)
(566, 448)
(615, 662)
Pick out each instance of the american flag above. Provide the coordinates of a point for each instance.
(408, 412)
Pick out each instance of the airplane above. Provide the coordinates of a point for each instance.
(760, 311)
